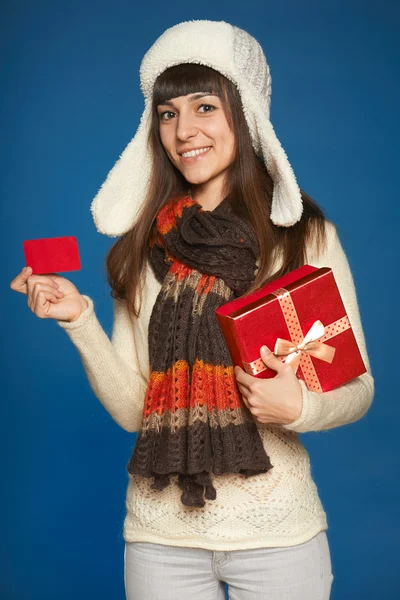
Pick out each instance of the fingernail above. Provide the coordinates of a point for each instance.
(265, 349)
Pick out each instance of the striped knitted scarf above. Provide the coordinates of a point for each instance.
(194, 420)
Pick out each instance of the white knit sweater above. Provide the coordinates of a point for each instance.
(277, 508)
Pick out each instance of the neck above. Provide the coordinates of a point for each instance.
(210, 194)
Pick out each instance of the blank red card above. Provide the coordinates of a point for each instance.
(52, 255)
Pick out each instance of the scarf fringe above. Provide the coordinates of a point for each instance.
(194, 487)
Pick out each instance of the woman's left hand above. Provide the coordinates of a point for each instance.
(275, 400)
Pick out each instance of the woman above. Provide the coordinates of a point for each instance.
(208, 209)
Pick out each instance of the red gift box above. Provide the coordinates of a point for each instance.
(302, 319)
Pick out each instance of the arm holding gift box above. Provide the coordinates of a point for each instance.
(349, 402)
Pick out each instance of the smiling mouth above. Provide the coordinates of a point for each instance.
(196, 156)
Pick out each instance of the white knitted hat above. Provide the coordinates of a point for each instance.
(240, 58)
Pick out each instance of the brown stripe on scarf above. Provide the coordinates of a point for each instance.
(194, 420)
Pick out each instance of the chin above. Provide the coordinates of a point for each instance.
(197, 179)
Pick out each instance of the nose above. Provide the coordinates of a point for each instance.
(186, 127)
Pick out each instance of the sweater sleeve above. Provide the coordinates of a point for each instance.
(111, 366)
(349, 402)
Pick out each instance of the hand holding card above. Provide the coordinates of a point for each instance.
(52, 255)
(49, 295)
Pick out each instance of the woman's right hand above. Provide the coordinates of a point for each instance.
(50, 296)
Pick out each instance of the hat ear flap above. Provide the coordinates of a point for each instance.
(287, 203)
(118, 202)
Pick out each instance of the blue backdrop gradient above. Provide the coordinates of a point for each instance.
(70, 103)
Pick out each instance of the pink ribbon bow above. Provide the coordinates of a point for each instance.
(310, 345)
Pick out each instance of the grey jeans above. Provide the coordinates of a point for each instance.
(159, 572)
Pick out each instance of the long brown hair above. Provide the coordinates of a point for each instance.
(247, 184)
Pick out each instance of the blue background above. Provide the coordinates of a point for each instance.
(70, 103)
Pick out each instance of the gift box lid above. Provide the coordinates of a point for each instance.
(234, 308)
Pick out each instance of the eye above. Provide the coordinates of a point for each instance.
(208, 106)
(163, 117)
(166, 112)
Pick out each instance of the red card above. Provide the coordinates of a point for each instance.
(52, 255)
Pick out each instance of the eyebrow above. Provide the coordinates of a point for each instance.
(192, 99)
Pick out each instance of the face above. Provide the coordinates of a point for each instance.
(197, 122)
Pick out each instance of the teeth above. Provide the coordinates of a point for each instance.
(195, 152)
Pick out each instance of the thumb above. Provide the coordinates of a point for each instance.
(270, 360)
(18, 284)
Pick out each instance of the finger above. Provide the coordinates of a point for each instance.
(42, 304)
(51, 276)
(243, 392)
(47, 279)
(272, 361)
(246, 397)
(39, 287)
(38, 280)
(243, 378)
(18, 284)
(245, 402)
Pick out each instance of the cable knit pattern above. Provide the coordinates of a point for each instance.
(278, 508)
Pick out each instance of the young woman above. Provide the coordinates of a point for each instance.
(208, 209)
